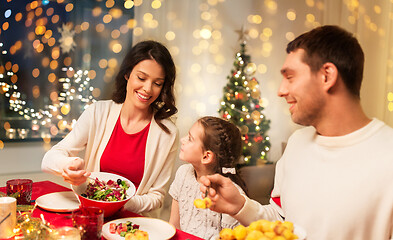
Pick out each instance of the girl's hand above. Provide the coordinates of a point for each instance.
(225, 197)
(74, 172)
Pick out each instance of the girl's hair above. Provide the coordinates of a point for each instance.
(224, 140)
(164, 105)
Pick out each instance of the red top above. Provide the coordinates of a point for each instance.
(125, 154)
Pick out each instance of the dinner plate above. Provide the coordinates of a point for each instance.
(58, 201)
(156, 228)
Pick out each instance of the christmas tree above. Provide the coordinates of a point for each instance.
(242, 105)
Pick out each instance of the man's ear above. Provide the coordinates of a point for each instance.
(330, 75)
(208, 157)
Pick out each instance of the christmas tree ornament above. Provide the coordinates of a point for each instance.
(250, 69)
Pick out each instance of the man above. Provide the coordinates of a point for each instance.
(335, 178)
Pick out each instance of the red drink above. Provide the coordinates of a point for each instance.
(21, 190)
(89, 221)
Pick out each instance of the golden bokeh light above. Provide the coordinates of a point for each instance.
(69, 7)
(291, 15)
(115, 34)
(53, 64)
(8, 66)
(128, 4)
(138, 31)
(55, 53)
(36, 91)
(45, 61)
(35, 72)
(109, 3)
(92, 74)
(205, 33)
(55, 18)
(117, 47)
(96, 11)
(1, 144)
(50, 11)
(107, 18)
(253, 33)
(100, 27)
(52, 77)
(170, 35)
(54, 96)
(18, 17)
(15, 68)
(85, 26)
(67, 61)
(96, 92)
(5, 26)
(138, 2)
(65, 109)
(14, 78)
(131, 23)
(156, 4)
(38, 12)
(103, 63)
(87, 57)
(112, 63)
(7, 125)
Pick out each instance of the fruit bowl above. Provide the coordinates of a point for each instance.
(109, 207)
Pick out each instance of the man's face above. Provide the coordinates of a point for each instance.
(302, 89)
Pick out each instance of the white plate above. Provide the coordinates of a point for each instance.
(58, 201)
(156, 228)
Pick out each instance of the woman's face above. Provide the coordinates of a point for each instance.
(145, 83)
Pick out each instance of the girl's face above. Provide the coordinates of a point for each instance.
(191, 149)
(145, 83)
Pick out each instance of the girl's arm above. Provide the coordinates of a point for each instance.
(175, 217)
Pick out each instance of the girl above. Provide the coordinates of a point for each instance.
(130, 135)
(213, 145)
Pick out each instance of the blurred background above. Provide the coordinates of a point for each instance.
(57, 57)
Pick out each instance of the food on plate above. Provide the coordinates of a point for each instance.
(203, 203)
(260, 230)
(109, 191)
(137, 235)
(123, 229)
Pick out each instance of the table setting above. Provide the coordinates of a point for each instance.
(46, 210)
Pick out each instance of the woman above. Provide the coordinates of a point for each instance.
(130, 135)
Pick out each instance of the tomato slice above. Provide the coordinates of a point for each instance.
(112, 228)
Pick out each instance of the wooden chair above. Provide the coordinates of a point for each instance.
(259, 181)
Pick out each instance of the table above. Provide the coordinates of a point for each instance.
(64, 219)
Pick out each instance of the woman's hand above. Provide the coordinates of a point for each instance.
(225, 197)
(74, 172)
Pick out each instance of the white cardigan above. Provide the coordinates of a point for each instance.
(92, 132)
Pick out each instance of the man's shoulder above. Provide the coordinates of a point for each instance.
(304, 132)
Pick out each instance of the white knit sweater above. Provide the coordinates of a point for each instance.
(92, 132)
(337, 188)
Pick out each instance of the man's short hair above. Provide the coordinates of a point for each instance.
(335, 45)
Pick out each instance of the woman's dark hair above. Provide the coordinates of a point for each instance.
(164, 105)
(224, 140)
(336, 45)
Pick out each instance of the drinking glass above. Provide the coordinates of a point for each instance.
(89, 221)
(21, 190)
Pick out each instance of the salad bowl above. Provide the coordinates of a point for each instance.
(109, 207)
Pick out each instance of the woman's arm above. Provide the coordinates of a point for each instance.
(62, 158)
(175, 216)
